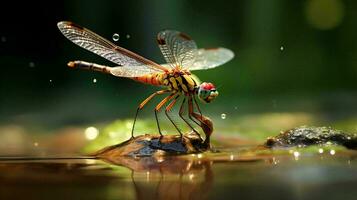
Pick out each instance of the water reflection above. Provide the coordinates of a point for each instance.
(229, 174)
(175, 177)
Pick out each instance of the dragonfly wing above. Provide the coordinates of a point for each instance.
(178, 48)
(132, 71)
(102, 47)
(210, 58)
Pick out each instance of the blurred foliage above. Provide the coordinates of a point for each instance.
(117, 132)
(291, 56)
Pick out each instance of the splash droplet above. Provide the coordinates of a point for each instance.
(127, 36)
(281, 48)
(50, 80)
(116, 36)
(94, 80)
(223, 116)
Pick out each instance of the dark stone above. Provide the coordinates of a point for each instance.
(305, 136)
(150, 145)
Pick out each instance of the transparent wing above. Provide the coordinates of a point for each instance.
(102, 47)
(132, 71)
(178, 48)
(210, 58)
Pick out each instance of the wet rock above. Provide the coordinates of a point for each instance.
(151, 145)
(305, 136)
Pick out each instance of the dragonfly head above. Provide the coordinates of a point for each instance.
(207, 92)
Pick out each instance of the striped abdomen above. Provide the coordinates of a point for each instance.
(152, 79)
(89, 66)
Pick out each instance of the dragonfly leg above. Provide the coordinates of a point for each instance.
(141, 106)
(185, 120)
(206, 123)
(168, 108)
(158, 107)
(198, 108)
(190, 111)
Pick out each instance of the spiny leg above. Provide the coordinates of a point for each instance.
(199, 110)
(158, 107)
(141, 106)
(206, 123)
(190, 111)
(181, 115)
(168, 108)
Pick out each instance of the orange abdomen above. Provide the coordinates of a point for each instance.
(152, 79)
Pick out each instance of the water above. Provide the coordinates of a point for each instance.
(116, 36)
(229, 175)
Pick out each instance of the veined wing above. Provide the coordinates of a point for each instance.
(132, 71)
(211, 57)
(208, 58)
(102, 47)
(178, 48)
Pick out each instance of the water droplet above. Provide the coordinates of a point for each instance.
(116, 36)
(127, 36)
(281, 48)
(50, 80)
(31, 64)
(235, 107)
(94, 80)
(223, 116)
(321, 150)
(3, 39)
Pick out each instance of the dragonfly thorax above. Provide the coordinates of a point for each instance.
(180, 81)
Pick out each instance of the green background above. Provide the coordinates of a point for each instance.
(291, 56)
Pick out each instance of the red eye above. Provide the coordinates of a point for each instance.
(207, 86)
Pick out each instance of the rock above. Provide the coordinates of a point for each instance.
(151, 145)
(305, 136)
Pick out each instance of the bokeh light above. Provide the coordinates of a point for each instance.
(91, 133)
(324, 14)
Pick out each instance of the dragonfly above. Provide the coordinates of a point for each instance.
(174, 77)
